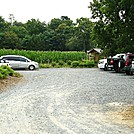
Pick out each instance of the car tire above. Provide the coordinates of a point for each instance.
(129, 73)
(31, 67)
(105, 67)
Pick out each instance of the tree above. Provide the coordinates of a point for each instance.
(35, 26)
(115, 21)
(62, 31)
(3, 25)
(10, 40)
(83, 31)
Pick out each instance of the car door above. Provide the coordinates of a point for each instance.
(23, 62)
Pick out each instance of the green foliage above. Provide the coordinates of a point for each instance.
(87, 64)
(3, 73)
(61, 62)
(69, 62)
(46, 56)
(83, 64)
(45, 66)
(114, 30)
(9, 71)
(75, 64)
(60, 34)
(6, 71)
(53, 64)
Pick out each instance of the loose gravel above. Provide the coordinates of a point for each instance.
(69, 101)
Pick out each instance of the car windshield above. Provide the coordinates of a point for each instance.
(118, 56)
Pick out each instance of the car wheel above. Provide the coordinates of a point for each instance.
(31, 67)
(105, 67)
(128, 73)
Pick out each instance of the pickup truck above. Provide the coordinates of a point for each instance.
(116, 62)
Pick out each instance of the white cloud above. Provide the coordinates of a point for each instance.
(44, 10)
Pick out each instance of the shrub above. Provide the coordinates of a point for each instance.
(92, 63)
(3, 72)
(75, 64)
(2, 76)
(82, 64)
(45, 66)
(6, 71)
(61, 62)
(53, 64)
(10, 71)
(69, 62)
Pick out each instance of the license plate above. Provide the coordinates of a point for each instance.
(110, 66)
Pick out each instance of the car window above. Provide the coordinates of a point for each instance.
(23, 59)
(11, 58)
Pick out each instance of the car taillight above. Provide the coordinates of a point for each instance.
(111, 61)
(126, 63)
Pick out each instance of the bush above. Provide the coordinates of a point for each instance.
(53, 64)
(6, 71)
(61, 62)
(9, 70)
(82, 64)
(75, 64)
(69, 62)
(2, 76)
(45, 66)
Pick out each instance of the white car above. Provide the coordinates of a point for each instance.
(102, 64)
(20, 62)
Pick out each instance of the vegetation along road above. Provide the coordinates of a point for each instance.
(69, 101)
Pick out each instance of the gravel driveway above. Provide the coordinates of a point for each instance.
(68, 101)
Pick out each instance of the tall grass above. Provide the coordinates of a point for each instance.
(46, 56)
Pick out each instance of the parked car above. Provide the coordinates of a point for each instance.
(129, 64)
(102, 64)
(116, 62)
(20, 62)
(4, 63)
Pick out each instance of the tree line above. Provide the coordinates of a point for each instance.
(60, 34)
(113, 30)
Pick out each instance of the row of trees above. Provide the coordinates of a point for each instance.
(113, 30)
(60, 34)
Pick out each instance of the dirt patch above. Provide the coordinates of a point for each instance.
(127, 116)
(4, 83)
(124, 116)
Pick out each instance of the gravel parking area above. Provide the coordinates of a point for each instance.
(69, 101)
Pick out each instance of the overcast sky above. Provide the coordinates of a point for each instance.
(44, 10)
